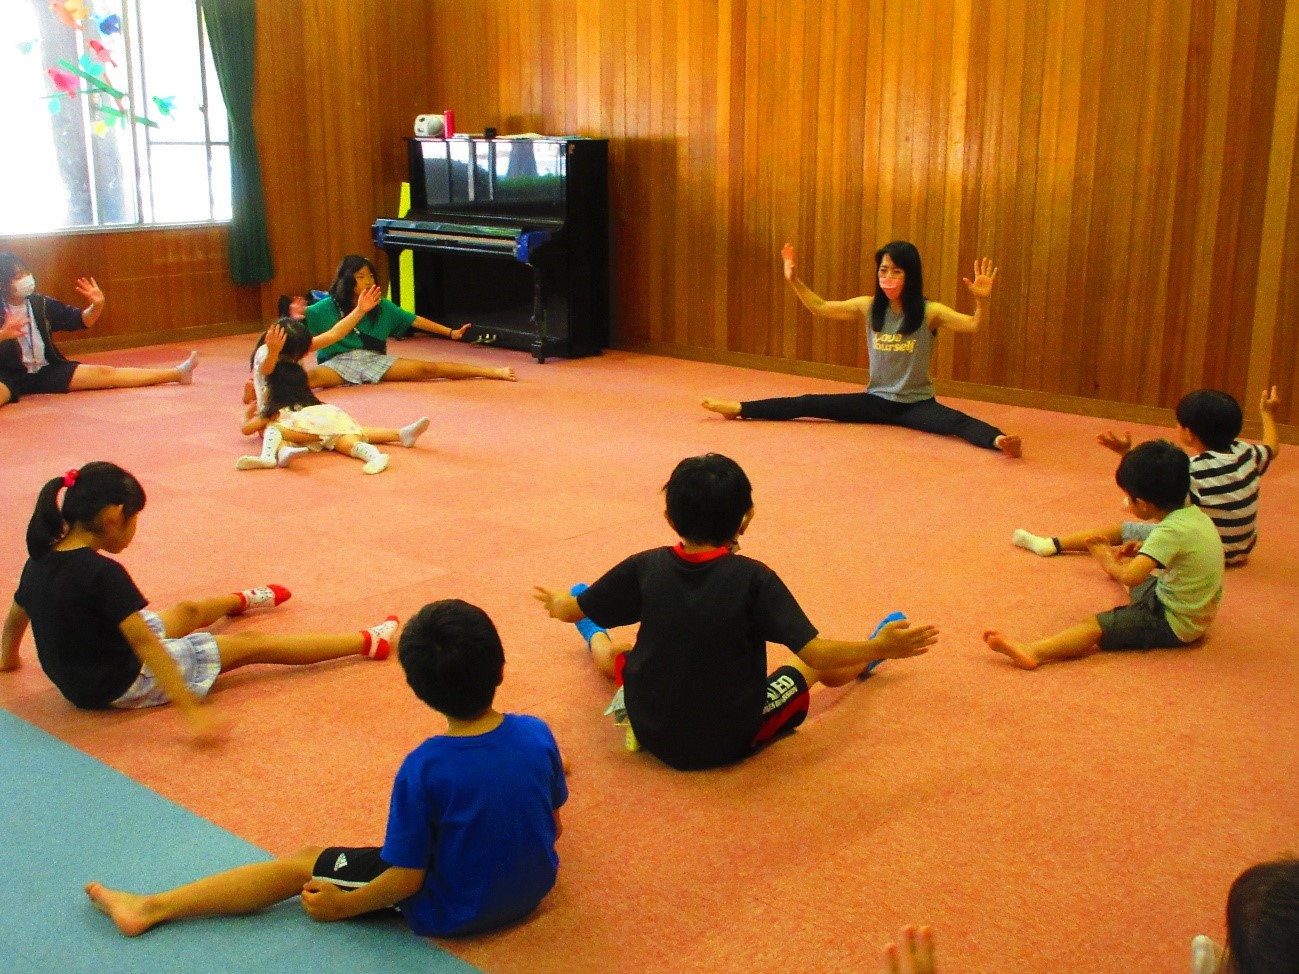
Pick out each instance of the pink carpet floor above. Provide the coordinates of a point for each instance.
(1083, 819)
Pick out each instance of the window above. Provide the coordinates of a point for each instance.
(116, 116)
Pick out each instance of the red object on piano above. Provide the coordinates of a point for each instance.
(448, 124)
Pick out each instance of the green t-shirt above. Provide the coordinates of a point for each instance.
(385, 321)
(1187, 545)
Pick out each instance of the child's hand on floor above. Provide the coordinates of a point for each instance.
(915, 956)
(900, 640)
(206, 728)
(1112, 441)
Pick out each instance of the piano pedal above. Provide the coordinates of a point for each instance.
(485, 339)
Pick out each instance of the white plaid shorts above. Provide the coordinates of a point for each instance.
(360, 367)
(196, 656)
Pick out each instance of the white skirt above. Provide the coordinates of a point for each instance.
(323, 420)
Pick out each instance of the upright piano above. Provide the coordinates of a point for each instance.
(511, 235)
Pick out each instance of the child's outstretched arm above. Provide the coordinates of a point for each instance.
(897, 640)
(366, 302)
(559, 603)
(204, 728)
(1129, 571)
(14, 630)
(1112, 441)
(326, 902)
(1267, 410)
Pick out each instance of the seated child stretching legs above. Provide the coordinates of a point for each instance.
(94, 638)
(1169, 610)
(696, 687)
(472, 825)
(289, 411)
(1225, 475)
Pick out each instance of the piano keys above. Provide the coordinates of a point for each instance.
(511, 235)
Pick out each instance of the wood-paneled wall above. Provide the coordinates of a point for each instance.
(1130, 167)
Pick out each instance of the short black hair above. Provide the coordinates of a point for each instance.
(707, 499)
(1156, 472)
(1263, 919)
(1214, 417)
(453, 658)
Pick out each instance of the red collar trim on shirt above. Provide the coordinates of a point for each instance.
(695, 557)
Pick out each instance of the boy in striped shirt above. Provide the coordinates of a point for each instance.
(1225, 475)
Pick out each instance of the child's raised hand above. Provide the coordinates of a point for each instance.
(1268, 403)
(787, 255)
(899, 640)
(89, 290)
(1112, 441)
(369, 299)
(275, 338)
(915, 956)
(984, 275)
(323, 901)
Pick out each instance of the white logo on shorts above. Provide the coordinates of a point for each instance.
(340, 862)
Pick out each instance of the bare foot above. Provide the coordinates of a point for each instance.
(128, 911)
(249, 394)
(506, 374)
(1018, 655)
(723, 407)
(1012, 446)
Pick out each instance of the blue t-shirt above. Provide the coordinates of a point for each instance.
(479, 814)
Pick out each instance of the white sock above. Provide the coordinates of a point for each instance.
(409, 434)
(287, 452)
(375, 462)
(1046, 547)
(186, 369)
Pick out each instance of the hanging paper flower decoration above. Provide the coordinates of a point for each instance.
(90, 64)
(165, 105)
(111, 24)
(64, 81)
(65, 15)
(26, 47)
(102, 54)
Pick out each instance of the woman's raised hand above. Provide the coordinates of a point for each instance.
(984, 275)
(89, 289)
(369, 299)
(787, 254)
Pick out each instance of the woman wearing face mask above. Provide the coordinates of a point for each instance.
(30, 362)
(901, 327)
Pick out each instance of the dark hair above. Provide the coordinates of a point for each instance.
(1212, 416)
(1156, 472)
(1263, 919)
(297, 340)
(9, 264)
(453, 658)
(97, 485)
(287, 387)
(708, 497)
(907, 257)
(343, 290)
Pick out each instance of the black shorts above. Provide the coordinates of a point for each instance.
(1141, 624)
(55, 377)
(786, 706)
(350, 867)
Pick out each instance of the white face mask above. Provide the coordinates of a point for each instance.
(25, 287)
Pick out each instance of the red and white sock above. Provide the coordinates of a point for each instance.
(378, 639)
(255, 598)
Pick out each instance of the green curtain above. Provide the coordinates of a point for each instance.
(232, 33)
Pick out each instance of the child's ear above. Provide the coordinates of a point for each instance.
(668, 517)
(744, 523)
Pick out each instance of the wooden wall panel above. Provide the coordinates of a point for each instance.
(1112, 158)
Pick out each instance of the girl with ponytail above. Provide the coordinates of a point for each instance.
(94, 637)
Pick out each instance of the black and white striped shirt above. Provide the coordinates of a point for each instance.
(1225, 485)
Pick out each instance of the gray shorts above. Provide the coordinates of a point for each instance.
(196, 656)
(360, 367)
(1141, 624)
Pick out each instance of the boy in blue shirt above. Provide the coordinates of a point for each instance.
(1169, 610)
(472, 825)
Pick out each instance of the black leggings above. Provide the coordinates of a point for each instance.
(927, 415)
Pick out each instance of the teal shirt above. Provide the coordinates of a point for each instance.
(385, 321)
(1186, 543)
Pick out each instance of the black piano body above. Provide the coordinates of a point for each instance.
(511, 234)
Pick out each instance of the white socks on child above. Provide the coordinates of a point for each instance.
(186, 369)
(375, 462)
(287, 452)
(271, 440)
(378, 639)
(1046, 547)
(409, 434)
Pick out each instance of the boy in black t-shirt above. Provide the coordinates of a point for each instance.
(696, 690)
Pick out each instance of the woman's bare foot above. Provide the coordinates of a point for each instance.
(1018, 655)
(506, 374)
(128, 911)
(1012, 446)
(723, 407)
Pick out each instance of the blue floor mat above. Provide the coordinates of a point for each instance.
(67, 819)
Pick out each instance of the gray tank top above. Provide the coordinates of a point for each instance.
(900, 363)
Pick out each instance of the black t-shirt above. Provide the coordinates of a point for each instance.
(76, 600)
(695, 684)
